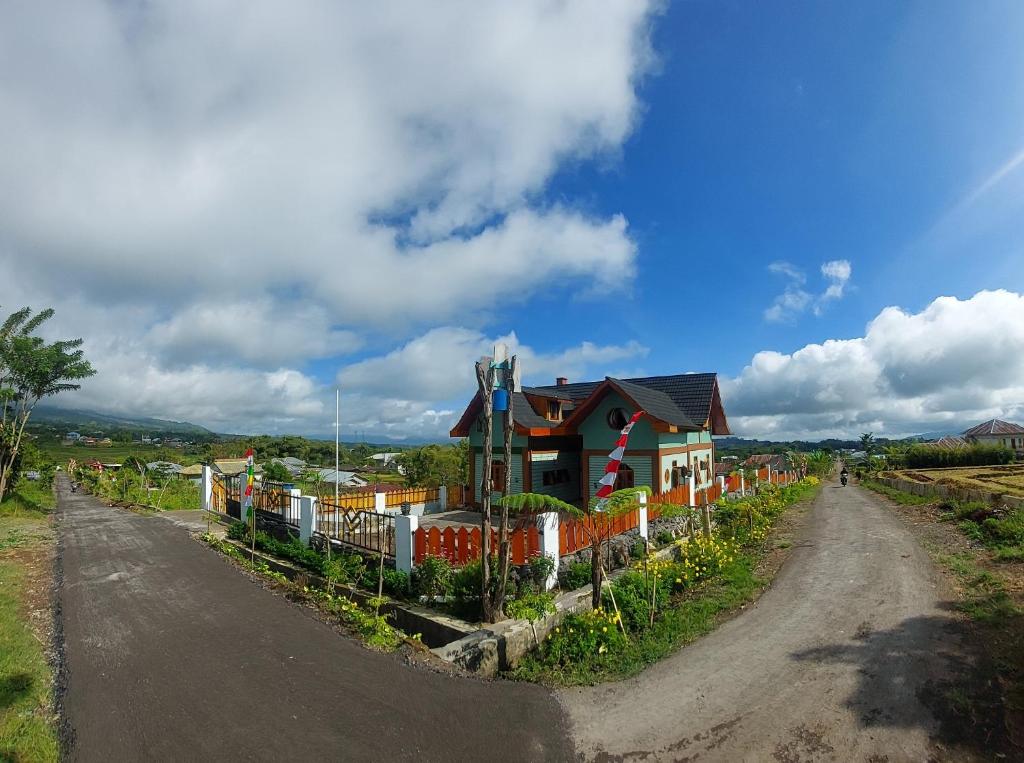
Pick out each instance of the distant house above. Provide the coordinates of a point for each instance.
(949, 442)
(777, 461)
(73, 436)
(385, 459)
(563, 434)
(345, 479)
(163, 467)
(295, 466)
(997, 432)
(230, 467)
(192, 473)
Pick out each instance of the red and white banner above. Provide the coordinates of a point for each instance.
(611, 471)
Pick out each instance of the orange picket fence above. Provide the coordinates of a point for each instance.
(575, 534)
(463, 545)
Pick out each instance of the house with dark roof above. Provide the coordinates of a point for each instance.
(564, 432)
(997, 432)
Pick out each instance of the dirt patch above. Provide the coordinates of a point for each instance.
(786, 534)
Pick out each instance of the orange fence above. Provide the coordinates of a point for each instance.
(365, 500)
(463, 545)
(575, 534)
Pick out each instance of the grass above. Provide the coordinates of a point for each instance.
(986, 599)
(690, 613)
(27, 729)
(899, 496)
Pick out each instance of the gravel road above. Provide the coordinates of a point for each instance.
(843, 658)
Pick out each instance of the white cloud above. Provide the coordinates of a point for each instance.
(375, 159)
(214, 193)
(400, 391)
(838, 273)
(795, 299)
(955, 362)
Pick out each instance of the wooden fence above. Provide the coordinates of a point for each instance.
(463, 545)
(366, 499)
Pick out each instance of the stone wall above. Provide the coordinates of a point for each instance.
(952, 492)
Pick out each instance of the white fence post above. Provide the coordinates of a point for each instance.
(547, 524)
(307, 517)
(207, 487)
(721, 486)
(692, 479)
(405, 541)
(442, 498)
(643, 515)
(380, 502)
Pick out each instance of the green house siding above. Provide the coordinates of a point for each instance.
(597, 435)
(564, 462)
(498, 455)
(641, 466)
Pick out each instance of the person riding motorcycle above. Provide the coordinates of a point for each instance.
(844, 475)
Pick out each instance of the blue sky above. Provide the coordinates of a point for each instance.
(622, 193)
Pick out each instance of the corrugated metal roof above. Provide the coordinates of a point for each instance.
(994, 427)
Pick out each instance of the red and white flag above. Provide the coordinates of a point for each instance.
(611, 471)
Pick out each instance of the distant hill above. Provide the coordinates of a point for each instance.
(50, 419)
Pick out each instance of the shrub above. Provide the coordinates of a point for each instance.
(701, 558)
(633, 592)
(576, 575)
(532, 606)
(238, 531)
(541, 567)
(589, 637)
(432, 577)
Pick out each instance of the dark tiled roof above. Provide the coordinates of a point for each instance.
(524, 415)
(656, 403)
(994, 427)
(691, 393)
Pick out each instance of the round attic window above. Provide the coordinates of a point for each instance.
(617, 418)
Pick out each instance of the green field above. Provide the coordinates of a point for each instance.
(113, 454)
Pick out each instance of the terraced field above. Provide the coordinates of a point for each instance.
(1007, 479)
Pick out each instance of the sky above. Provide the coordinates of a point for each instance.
(242, 206)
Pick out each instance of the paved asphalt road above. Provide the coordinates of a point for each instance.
(841, 659)
(173, 655)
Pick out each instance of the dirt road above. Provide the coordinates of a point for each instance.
(171, 654)
(848, 657)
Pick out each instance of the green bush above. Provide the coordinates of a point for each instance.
(928, 456)
(238, 531)
(576, 576)
(588, 638)
(541, 567)
(432, 577)
(532, 606)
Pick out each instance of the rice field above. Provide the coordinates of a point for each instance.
(1008, 479)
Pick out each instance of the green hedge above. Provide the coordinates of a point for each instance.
(929, 456)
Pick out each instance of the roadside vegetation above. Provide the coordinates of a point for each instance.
(663, 602)
(987, 565)
(27, 722)
(134, 484)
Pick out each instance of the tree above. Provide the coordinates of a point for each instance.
(435, 465)
(31, 369)
(867, 442)
(275, 471)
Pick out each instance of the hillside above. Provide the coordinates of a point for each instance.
(50, 420)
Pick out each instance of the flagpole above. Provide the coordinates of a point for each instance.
(337, 439)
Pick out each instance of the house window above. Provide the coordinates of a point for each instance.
(617, 418)
(678, 475)
(554, 410)
(624, 478)
(556, 477)
(497, 475)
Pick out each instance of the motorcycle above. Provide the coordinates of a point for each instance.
(843, 478)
